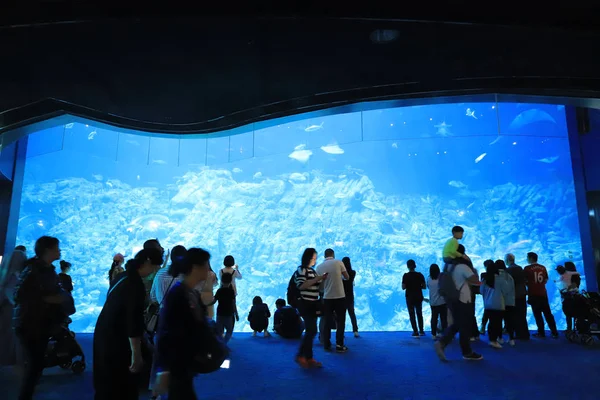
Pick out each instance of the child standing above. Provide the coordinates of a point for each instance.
(226, 310)
(259, 317)
(494, 303)
(437, 302)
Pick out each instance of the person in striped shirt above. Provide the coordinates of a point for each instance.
(308, 282)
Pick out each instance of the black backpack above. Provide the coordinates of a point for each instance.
(447, 288)
(293, 293)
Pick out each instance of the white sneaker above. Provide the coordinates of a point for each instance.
(500, 340)
(511, 342)
(439, 350)
(496, 345)
(356, 335)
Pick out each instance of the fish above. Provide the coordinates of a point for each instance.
(69, 126)
(496, 140)
(160, 162)
(481, 157)
(332, 149)
(300, 147)
(236, 170)
(257, 175)
(457, 184)
(97, 177)
(548, 160)
(313, 128)
(342, 176)
(91, 135)
(518, 244)
(530, 117)
(471, 113)
(442, 129)
(301, 155)
(395, 145)
(258, 273)
(133, 142)
(340, 195)
(470, 205)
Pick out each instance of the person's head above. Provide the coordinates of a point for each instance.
(458, 232)
(145, 262)
(193, 265)
(65, 266)
(488, 264)
(154, 244)
(47, 248)
(411, 265)
(257, 300)
(492, 271)
(177, 252)
(347, 263)
(280, 303)
(561, 270)
(309, 257)
(434, 271)
(509, 259)
(21, 248)
(229, 261)
(500, 265)
(118, 260)
(570, 266)
(532, 258)
(329, 253)
(226, 280)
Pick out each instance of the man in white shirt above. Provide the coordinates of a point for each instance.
(162, 280)
(461, 309)
(335, 299)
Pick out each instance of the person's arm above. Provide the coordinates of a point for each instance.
(268, 311)
(154, 290)
(277, 319)
(134, 319)
(345, 275)
(423, 283)
(216, 298)
(237, 274)
(303, 283)
(404, 282)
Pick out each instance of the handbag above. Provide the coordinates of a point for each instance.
(213, 351)
(153, 311)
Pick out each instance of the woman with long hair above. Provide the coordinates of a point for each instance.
(494, 302)
(182, 324)
(349, 290)
(307, 281)
(120, 328)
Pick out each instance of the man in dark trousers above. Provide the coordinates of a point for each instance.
(537, 276)
(518, 275)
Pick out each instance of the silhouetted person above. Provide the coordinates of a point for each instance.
(286, 321)
(349, 291)
(413, 283)
(520, 312)
(537, 276)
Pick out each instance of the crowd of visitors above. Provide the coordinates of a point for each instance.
(159, 335)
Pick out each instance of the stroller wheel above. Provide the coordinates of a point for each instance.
(587, 340)
(78, 367)
(65, 365)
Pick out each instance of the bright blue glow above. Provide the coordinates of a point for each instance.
(379, 186)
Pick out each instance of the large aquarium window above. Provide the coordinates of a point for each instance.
(380, 186)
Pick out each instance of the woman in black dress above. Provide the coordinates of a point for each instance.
(349, 290)
(119, 330)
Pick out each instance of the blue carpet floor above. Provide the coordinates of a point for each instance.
(387, 366)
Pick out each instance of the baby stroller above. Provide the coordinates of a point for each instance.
(64, 351)
(585, 308)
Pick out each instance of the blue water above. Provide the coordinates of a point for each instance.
(379, 186)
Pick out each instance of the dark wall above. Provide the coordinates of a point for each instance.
(193, 74)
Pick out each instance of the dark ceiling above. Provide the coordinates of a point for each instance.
(168, 70)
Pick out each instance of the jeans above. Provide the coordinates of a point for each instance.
(440, 311)
(520, 321)
(462, 320)
(539, 306)
(352, 314)
(182, 388)
(308, 311)
(495, 328)
(485, 319)
(34, 352)
(225, 323)
(339, 307)
(415, 306)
